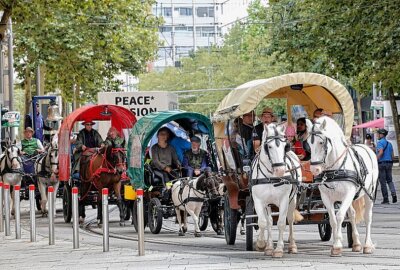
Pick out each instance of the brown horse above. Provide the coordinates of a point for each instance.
(102, 169)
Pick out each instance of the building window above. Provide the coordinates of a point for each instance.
(205, 31)
(205, 11)
(165, 29)
(184, 11)
(167, 12)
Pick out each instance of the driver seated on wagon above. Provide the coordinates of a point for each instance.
(114, 139)
(196, 160)
(164, 157)
(87, 138)
(30, 146)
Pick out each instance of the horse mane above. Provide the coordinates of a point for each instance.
(201, 182)
(332, 128)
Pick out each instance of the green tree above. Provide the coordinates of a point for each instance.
(82, 45)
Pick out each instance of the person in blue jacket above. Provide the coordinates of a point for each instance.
(384, 154)
(40, 124)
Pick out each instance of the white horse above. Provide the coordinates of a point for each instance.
(275, 175)
(11, 169)
(345, 172)
(188, 197)
(46, 169)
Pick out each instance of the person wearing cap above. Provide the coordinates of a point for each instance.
(30, 146)
(87, 138)
(384, 154)
(40, 124)
(267, 117)
(195, 160)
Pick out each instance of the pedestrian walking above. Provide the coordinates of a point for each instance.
(384, 152)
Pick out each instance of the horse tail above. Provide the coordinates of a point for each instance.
(359, 207)
(297, 216)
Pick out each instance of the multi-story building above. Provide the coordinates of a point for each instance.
(193, 24)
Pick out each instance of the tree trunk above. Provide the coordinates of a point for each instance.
(42, 79)
(27, 87)
(7, 11)
(395, 115)
(359, 112)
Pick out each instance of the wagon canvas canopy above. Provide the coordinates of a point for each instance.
(120, 117)
(311, 90)
(148, 125)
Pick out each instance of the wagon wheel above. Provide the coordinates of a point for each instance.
(203, 222)
(134, 215)
(249, 228)
(67, 203)
(230, 222)
(155, 215)
(349, 235)
(216, 218)
(127, 209)
(325, 230)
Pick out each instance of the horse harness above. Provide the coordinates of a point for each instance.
(190, 185)
(278, 140)
(356, 177)
(8, 169)
(45, 169)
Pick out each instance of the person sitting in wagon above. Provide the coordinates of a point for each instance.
(195, 160)
(30, 146)
(301, 149)
(266, 119)
(114, 138)
(164, 157)
(87, 138)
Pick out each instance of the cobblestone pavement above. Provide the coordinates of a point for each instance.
(168, 251)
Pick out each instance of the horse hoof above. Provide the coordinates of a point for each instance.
(356, 248)
(197, 234)
(368, 250)
(219, 232)
(277, 254)
(292, 250)
(184, 229)
(181, 233)
(81, 220)
(261, 245)
(122, 223)
(268, 251)
(336, 252)
(242, 232)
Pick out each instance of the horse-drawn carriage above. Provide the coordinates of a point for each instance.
(104, 167)
(308, 91)
(158, 203)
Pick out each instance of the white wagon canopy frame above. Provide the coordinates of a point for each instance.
(311, 90)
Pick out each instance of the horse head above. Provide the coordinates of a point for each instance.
(13, 157)
(117, 158)
(275, 146)
(209, 182)
(322, 134)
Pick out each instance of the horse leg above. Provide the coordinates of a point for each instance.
(43, 195)
(262, 223)
(290, 217)
(355, 235)
(369, 246)
(270, 244)
(179, 218)
(99, 210)
(12, 204)
(81, 203)
(195, 219)
(283, 210)
(340, 215)
(120, 203)
(184, 214)
(332, 221)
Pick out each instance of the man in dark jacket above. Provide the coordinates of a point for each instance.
(87, 138)
(195, 160)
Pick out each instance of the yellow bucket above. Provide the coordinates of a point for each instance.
(129, 193)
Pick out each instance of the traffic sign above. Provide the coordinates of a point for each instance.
(376, 104)
(12, 119)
